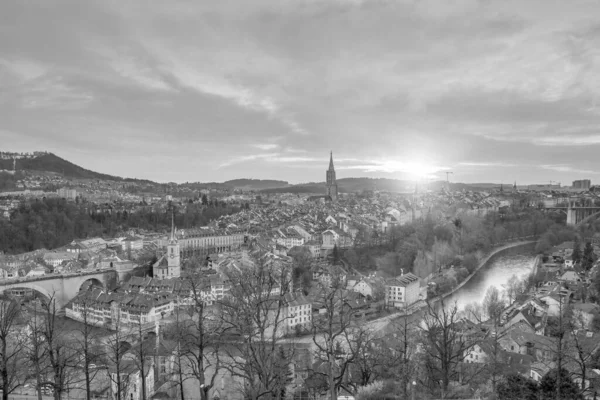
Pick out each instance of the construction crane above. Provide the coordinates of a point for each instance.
(448, 178)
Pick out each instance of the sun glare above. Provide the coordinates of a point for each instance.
(413, 170)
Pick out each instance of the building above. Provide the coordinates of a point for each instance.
(133, 243)
(57, 258)
(131, 379)
(331, 188)
(66, 193)
(297, 311)
(402, 291)
(169, 265)
(203, 241)
(583, 184)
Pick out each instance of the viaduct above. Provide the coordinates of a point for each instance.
(64, 287)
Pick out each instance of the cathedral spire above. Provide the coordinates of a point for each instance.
(331, 161)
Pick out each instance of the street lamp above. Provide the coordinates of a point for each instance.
(442, 387)
(414, 389)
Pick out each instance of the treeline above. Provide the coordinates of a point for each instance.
(51, 223)
(429, 245)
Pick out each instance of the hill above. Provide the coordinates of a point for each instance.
(48, 162)
(349, 185)
(255, 184)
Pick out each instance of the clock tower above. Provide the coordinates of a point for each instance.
(173, 254)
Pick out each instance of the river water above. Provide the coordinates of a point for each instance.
(496, 273)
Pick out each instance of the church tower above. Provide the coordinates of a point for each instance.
(331, 188)
(173, 254)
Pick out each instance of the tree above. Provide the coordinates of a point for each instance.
(12, 347)
(513, 288)
(493, 304)
(337, 339)
(199, 337)
(87, 347)
(335, 254)
(444, 345)
(117, 344)
(35, 350)
(589, 257)
(57, 343)
(254, 312)
(402, 358)
(516, 387)
(576, 254)
(559, 386)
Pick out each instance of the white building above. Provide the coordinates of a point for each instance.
(402, 291)
(298, 311)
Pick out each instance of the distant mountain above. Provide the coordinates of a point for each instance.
(48, 162)
(349, 185)
(355, 185)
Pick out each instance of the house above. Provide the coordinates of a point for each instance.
(569, 263)
(402, 291)
(557, 302)
(534, 314)
(537, 346)
(364, 287)
(131, 379)
(56, 258)
(297, 311)
(37, 271)
(570, 277)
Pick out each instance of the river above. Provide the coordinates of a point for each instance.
(497, 273)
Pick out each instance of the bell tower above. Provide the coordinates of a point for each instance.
(173, 253)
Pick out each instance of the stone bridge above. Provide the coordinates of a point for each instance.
(62, 288)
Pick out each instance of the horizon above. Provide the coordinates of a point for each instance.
(192, 92)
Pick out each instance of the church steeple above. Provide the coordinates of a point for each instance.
(172, 238)
(331, 188)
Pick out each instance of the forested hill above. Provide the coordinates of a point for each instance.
(48, 162)
(255, 184)
(52, 223)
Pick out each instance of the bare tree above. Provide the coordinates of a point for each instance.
(142, 352)
(513, 288)
(35, 350)
(444, 345)
(199, 336)
(254, 311)
(493, 304)
(86, 344)
(12, 347)
(61, 357)
(337, 339)
(116, 345)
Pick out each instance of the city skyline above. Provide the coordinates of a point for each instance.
(493, 91)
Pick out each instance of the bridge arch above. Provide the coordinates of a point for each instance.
(15, 289)
(588, 218)
(92, 281)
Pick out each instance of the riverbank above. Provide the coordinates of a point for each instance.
(497, 252)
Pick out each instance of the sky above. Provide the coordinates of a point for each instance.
(203, 90)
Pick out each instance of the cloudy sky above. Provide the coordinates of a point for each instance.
(203, 90)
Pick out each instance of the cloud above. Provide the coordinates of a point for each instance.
(488, 164)
(266, 146)
(567, 168)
